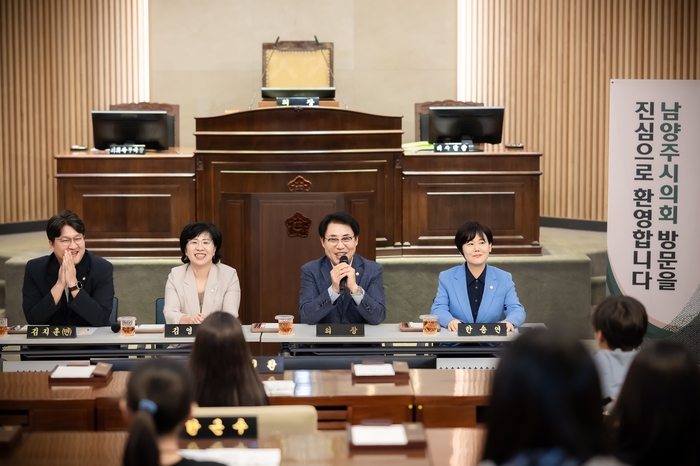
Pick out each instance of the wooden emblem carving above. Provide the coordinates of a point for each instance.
(299, 184)
(297, 225)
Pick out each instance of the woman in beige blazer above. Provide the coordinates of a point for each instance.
(202, 285)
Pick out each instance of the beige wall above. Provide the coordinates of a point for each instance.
(206, 56)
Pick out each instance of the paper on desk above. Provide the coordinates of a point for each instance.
(236, 456)
(85, 330)
(279, 387)
(394, 434)
(362, 370)
(416, 324)
(73, 372)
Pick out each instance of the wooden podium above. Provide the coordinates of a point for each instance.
(132, 205)
(499, 188)
(268, 176)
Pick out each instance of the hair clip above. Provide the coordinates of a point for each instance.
(148, 405)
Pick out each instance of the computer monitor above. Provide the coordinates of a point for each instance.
(124, 127)
(471, 125)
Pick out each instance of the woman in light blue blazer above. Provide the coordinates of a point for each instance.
(474, 292)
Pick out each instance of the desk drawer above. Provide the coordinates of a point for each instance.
(62, 419)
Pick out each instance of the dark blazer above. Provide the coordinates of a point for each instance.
(90, 307)
(315, 304)
(500, 301)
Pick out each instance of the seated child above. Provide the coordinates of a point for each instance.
(620, 323)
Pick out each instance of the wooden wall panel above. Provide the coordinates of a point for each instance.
(549, 62)
(60, 59)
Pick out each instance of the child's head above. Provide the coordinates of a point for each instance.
(656, 419)
(546, 394)
(620, 322)
(159, 399)
(222, 365)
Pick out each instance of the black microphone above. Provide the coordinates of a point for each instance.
(344, 280)
(267, 63)
(116, 327)
(318, 45)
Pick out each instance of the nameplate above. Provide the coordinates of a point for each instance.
(268, 364)
(52, 332)
(480, 330)
(297, 101)
(138, 149)
(453, 147)
(238, 427)
(340, 330)
(180, 330)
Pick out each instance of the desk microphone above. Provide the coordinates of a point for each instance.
(116, 327)
(344, 280)
(267, 62)
(331, 71)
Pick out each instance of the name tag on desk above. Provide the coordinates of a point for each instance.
(52, 332)
(268, 364)
(340, 330)
(180, 330)
(206, 427)
(481, 330)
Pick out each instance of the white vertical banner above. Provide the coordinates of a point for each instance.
(654, 197)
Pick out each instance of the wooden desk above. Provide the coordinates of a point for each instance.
(438, 398)
(499, 188)
(338, 400)
(134, 205)
(450, 398)
(26, 399)
(445, 447)
(335, 397)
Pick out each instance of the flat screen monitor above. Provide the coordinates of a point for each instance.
(473, 125)
(122, 127)
(320, 92)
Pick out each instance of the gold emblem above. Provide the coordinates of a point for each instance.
(240, 426)
(271, 364)
(353, 330)
(192, 427)
(468, 328)
(483, 329)
(328, 330)
(217, 427)
(67, 331)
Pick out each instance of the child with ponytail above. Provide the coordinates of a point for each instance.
(159, 399)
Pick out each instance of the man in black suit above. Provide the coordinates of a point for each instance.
(70, 286)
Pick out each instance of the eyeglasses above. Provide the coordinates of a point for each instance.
(65, 242)
(205, 243)
(344, 239)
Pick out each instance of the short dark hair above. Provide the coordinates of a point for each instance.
(194, 229)
(622, 320)
(160, 393)
(470, 230)
(57, 222)
(222, 364)
(341, 217)
(656, 418)
(546, 394)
